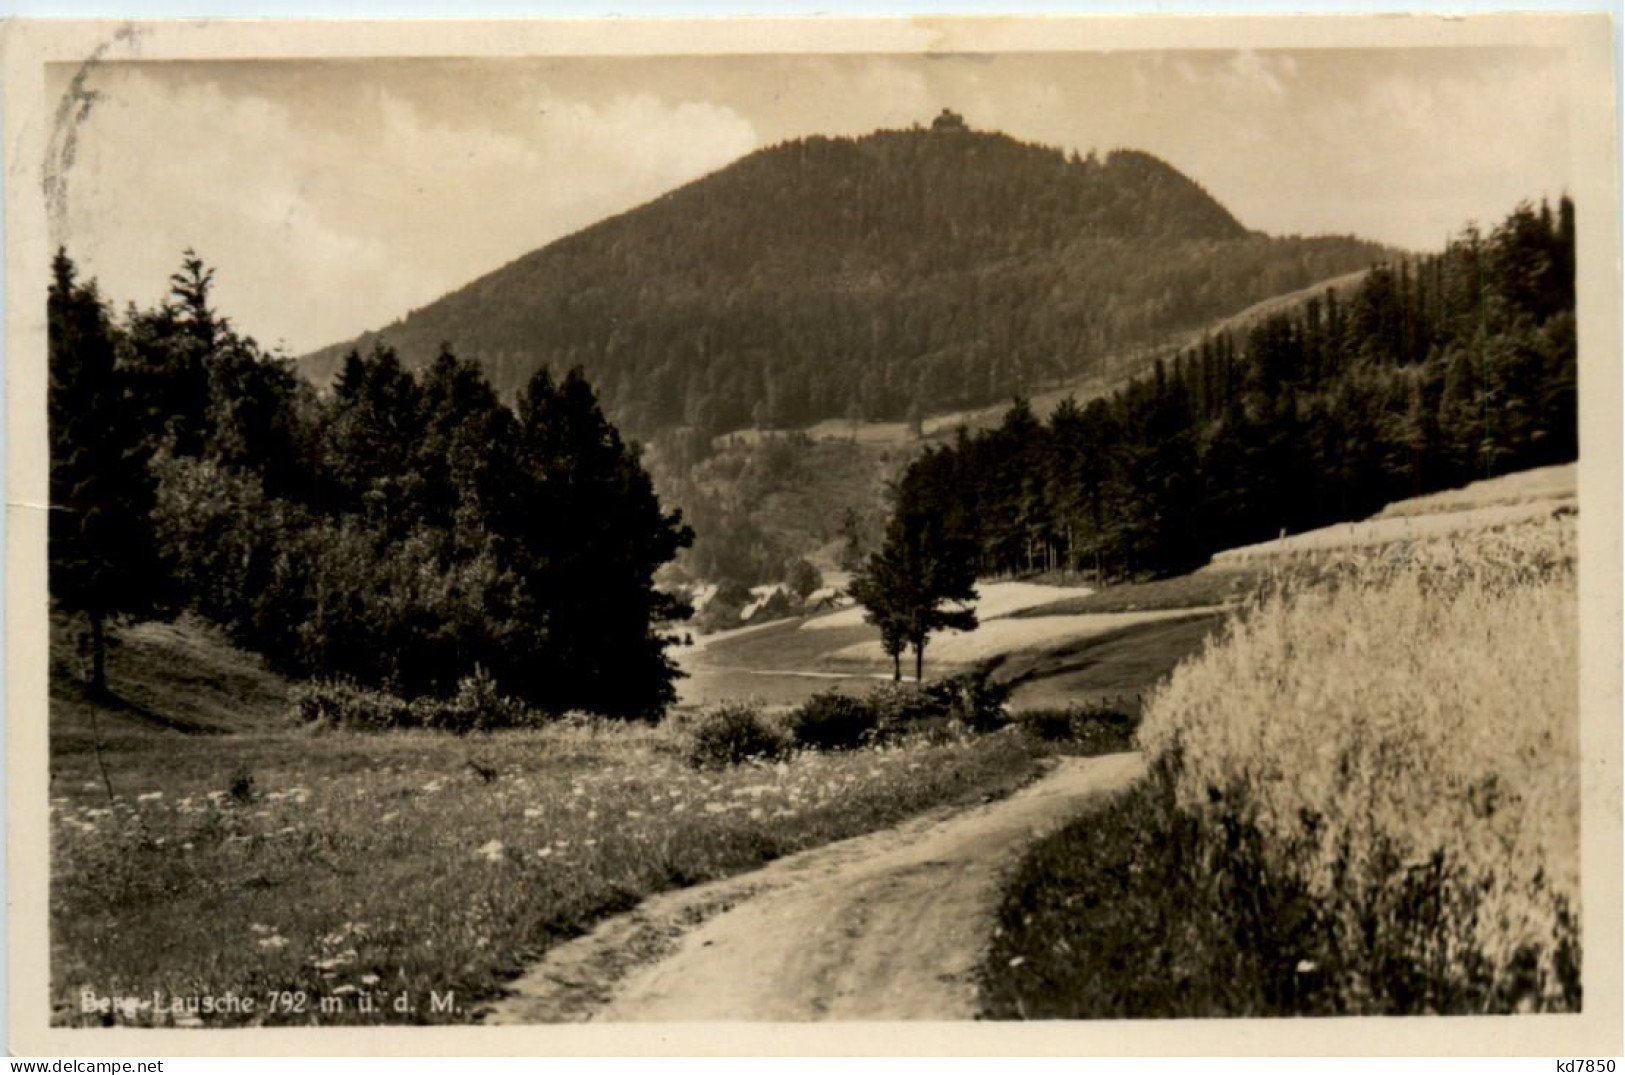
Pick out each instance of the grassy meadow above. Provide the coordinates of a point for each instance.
(287, 866)
(1056, 645)
(1365, 799)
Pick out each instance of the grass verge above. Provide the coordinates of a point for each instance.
(1115, 917)
(1209, 586)
(352, 879)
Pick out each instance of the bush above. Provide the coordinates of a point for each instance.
(732, 733)
(478, 706)
(904, 708)
(973, 700)
(1050, 725)
(892, 711)
(482, 707)
(324, 704)
(1099, 728)
(833, 721)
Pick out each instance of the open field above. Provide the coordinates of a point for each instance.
(995, 639)
(1065, 644)
(1554, 485)
(1098, 646)
(1365, 800)
(288, 864)
(1499, 502)
(993, 601)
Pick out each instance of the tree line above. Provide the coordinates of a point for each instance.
(401, 531)
(1434, 372)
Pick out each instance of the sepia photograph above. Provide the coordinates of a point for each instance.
(1037, 527)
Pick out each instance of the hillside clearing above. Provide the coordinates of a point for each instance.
(1509, 500)
(993, 600)
(180, 677)
(1540, 485)
(997, 638)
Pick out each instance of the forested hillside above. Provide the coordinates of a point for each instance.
(406, 532)
(897, 274)
(1437, 371)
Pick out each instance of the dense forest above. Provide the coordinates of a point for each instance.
(402, 531)
(906, 271)
(1435, 372)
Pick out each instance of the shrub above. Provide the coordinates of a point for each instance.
(731, 733)
(904, 708)
(1097, 728)
(327, 704)
(833, 721)
(477, 706)
(972, 699)
(1052, 725)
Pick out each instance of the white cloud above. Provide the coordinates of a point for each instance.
(321, 229)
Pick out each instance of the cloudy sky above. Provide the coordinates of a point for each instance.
(334, 196)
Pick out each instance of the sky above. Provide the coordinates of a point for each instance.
(333, 196)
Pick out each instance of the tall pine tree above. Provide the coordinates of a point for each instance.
(103, 563)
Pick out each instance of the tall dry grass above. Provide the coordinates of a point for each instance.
(1388, 743)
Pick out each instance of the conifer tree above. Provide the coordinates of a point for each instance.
(596, 535)
(103, 562)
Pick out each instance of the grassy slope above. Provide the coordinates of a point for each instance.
(1496, 502)
(169, 679)
(1196, 590)
(1121, 664)
(773, 663)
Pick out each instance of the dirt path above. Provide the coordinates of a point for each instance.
(891, 925)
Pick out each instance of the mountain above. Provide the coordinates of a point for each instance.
(901, 273)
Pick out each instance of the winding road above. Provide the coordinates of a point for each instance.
(888, 926)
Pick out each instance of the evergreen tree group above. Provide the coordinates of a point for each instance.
(1434, 372)
(402, 531)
